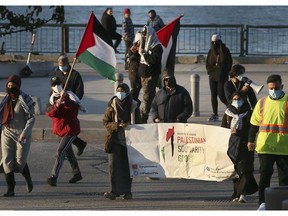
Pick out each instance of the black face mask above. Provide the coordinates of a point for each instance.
(216, 45)
(12, 90)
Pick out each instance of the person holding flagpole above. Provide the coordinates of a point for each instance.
(74, 84)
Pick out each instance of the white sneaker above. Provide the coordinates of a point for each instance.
(242, 199)
(235, 199)
(262, 207)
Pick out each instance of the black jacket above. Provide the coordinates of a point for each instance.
(153, 57)
(219, 63)
(75, 83)
(169, 108)
(229, 89)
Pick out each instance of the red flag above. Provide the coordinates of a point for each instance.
(168, 38)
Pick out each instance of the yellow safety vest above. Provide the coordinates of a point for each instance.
(272, 118)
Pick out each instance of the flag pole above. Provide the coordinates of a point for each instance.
(72, 66)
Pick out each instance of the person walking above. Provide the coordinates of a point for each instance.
(76, 85)
(154, 20)
(63, 110)
(122, 110)
(17, 120)
(108, 21)
(172, 103)
(269, 120)
(150, 52)
(237, 118)
(218, 65)
(133, 59)
(127, 34)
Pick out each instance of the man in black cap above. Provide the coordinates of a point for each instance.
(76, 85)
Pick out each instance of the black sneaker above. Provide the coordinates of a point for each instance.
(127, 197)
(75, 178)
(110, 195)
(81, 148)
(213, 118)
(52, 181)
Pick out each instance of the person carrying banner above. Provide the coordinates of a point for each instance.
(237, 118)
(122, 110)
(76, 85)
(172, 103)
(63, 108)
(150, 52)
(218, 65)
(269, 120)
(17, 121)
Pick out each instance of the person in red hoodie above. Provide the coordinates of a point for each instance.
(63, 109)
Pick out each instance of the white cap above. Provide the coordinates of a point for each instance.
(215, 37)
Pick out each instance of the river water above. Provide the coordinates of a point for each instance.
(250, 15)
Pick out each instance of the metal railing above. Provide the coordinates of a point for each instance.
(192, 39)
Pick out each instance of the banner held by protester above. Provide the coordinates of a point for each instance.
(179, 150)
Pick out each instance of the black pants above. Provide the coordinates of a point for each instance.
(266, 171)
(217, 89)
(118, 38)
(65, 149)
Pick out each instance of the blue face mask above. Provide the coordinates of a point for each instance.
(64, 68)
(121, 95)
(275, 94)
(237, 103)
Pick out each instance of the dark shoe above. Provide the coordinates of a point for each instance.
(10, 193)
(127, 197)
(28, 179)
(52, 181)
(81, 148)
(110, 195)
(75, 178)
(213, 118)
(10, 180)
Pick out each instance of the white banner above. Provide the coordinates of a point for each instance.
(179, 150)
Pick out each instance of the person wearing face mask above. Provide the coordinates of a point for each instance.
(17, 121)
(218, 65)
(269, 120)
(234, 84)
(172, 103)
(63, 111)
(122, 110)
(75, 84)
(237, 118)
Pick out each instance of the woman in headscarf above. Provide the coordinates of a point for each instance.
(17, 119)
(237, 117)
(122, 110)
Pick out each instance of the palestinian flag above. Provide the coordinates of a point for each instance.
(96, 49)
(168, 38)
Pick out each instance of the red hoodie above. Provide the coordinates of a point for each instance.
(65, 118)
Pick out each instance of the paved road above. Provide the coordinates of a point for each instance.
(163, 194)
